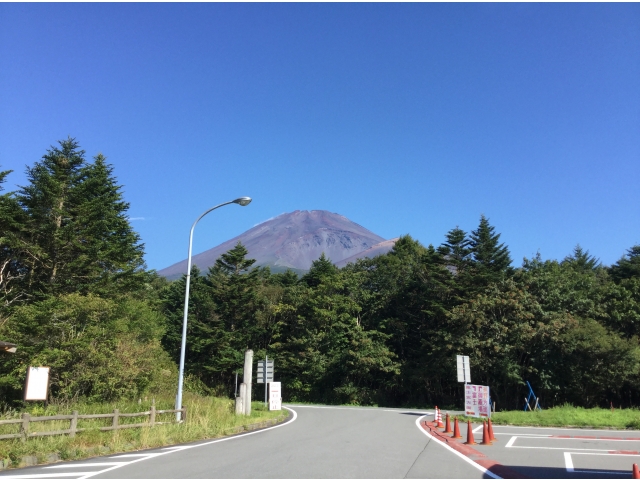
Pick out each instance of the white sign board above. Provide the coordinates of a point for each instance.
(476, 401)
(264, 375)
(275, 396)
(464, 370)
(37, 383)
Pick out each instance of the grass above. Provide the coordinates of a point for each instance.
(569, 416)
(207, 417)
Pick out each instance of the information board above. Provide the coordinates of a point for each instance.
(275, 396)
(476, 401)
(464, 370)
(37, 383)
(264, 375)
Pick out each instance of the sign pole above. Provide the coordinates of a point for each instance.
(266, 386)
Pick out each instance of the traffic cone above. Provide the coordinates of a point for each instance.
(439, 419)
(456, 429)
(492, 437)
(485, 434)
(470, 440)
(635, 473)
(448, 425)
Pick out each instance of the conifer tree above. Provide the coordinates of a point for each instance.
(456, 250)
(491, 260)
(77, 229)
(320, 268)
(580, 260)
(628, 266)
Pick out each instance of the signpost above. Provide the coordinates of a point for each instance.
(265, 374)
(464, 371)
(476, 401)
(275, 396)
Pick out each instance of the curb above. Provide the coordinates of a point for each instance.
(471, 453)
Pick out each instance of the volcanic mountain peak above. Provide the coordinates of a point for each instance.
(291, 240)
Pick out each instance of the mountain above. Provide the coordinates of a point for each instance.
(377, 249)
(291, 240)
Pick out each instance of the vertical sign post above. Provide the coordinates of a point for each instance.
(464, 370)
(265, 374)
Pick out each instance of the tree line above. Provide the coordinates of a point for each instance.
(76, 295)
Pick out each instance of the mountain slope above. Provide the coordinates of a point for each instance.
(291, 240)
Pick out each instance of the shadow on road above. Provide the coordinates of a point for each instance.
(518, 471)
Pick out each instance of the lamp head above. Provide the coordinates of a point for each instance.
(243, 201)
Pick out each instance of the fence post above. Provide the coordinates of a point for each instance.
(152, 417)
(116, 415)
(24, 429)
(74, 424)
(184, 414)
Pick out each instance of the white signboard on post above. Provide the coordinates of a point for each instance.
(464, 370)
(476, 401)
(275, 396)
(37, 383)
(264, 373)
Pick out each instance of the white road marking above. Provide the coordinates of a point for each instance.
(464, 457)
(566, 448)
(48, 475)
(510, 442)
(477, 429)
(178, 449)
(608, 454)
(561, 428)
(95, 464)
(128, 455)
(530, 435)
(568, 463)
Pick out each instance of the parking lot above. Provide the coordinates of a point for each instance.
(533, 452)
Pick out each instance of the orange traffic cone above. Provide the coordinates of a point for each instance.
(470, 440)
(635, 473)
(448, 425)
(456, 429)
(492, 437)
(485, 434)
(440, 424)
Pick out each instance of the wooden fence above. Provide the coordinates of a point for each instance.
(27, 419)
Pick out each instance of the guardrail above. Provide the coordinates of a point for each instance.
(27, 419)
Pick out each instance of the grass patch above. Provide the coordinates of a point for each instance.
(207, 417)
(568, 416)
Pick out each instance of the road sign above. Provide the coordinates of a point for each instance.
(275, 396)
(37, 383)
(264, 375)
(464, 370)
(476, 401)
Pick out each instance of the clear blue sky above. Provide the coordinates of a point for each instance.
(405, 118)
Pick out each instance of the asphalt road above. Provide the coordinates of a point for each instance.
(353, 442)
(335, 442)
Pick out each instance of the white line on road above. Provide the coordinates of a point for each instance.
(127, 455)
(464, 457)
(510, 442)
(561, 428)
(477, 429)
(178, 449)
(48, 475)
(568, 463)
(94, 464)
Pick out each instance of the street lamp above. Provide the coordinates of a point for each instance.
(242, 201)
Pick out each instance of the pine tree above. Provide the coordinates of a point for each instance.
(456, 250)
(491, 260)
(78, 233)
(581, 260)
(320, 268)
(628, 266)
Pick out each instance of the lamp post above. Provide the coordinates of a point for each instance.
(242, 201)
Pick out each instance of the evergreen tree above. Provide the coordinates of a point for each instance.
(628, 266)
(320, 268)
(77, 227)
(456, 250)
(581, 260)
(491, 260)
